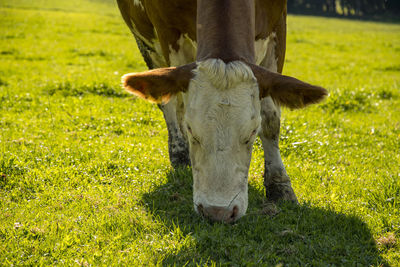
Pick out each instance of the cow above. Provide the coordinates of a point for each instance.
(215, 72)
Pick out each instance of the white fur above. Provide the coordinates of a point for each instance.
(138, 3)
(222, 109)
(260, 48)
(265, 52)
(156, 56)
(185, 53)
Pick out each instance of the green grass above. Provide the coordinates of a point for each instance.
(84, 172)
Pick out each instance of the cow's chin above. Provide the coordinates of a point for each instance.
(225, 207)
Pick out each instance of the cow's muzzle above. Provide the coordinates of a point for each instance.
(219, 214)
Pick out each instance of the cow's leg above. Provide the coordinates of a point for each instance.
(175, 109)
(276, 180)
(172, 111)
(177, 145)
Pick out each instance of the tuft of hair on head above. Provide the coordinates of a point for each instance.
(224, 75)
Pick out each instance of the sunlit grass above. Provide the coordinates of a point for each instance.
(84, 170)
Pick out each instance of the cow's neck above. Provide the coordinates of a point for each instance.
(225, 30)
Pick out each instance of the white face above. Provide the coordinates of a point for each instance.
(222, 119)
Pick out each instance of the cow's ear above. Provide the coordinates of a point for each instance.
(287, 91)
(159, 85)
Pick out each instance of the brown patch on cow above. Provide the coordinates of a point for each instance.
(226, 30)
(163, 21)
(136, 19)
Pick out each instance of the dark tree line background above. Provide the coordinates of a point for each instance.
(345, 7)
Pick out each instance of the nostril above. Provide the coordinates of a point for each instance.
(218, 213)
(235, 211)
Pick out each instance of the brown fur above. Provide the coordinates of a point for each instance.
(226, 29)
(173, 18)
(285, 90)
(159, 85)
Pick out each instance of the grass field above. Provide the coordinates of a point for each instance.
(84, 172)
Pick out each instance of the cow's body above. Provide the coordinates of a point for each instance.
(166, 30)
(168, 34)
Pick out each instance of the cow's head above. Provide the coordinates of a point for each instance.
(221, 120)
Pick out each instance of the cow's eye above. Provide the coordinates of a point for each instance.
(253, 133)
(194, 139)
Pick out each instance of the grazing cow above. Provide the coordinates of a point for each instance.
(217, 80)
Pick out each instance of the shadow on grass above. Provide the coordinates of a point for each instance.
(298, 235)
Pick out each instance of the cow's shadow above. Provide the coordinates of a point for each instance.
(297, 235)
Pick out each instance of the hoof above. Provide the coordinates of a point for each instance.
(178, 153)
(277, 192)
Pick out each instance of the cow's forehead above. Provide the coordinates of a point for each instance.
(223, 95)
(222, 85)
(223, 75)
